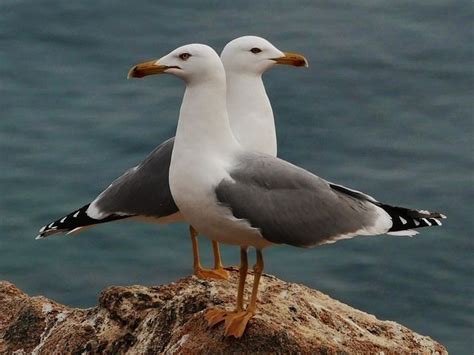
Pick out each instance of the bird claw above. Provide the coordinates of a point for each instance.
(214, 316)
(213, 274)
(235, 321)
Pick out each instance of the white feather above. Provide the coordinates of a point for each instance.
(426, 221)
(437, 222)
(75, 230)
(407, 233)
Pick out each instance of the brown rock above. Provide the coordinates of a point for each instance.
(169, 319)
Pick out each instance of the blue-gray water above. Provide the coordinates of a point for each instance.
(385, 107)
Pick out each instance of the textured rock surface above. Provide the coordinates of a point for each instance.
(169, 318)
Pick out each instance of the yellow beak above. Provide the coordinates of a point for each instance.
(147, 68)
(294, 59)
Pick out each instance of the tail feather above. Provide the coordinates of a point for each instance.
(405, 220)
(73, 222)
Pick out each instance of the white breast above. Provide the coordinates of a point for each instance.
(193, 191)
(203, 153)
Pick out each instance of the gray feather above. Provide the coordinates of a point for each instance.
(290, 205)
(143, 190)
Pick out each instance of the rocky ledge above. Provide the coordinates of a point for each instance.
(169, 319)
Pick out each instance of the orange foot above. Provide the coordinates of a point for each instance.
(215, 316)
(236, 323)
(214, 274)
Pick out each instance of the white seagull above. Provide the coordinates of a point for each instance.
(143, 192)
(252, 199)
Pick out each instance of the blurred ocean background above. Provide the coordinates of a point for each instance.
(385, 107)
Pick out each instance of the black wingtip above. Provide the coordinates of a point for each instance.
(77, 219)
(404, 218)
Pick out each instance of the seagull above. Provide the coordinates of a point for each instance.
(251, 199)
(143, 192)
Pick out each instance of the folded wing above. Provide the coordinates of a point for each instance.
(292, 206)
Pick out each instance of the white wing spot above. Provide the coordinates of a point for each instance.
(417, 223)
(426, 221)
(437, 222)
(62, 220)
(94, 212)
(50, 225)
(76, 214)
(404, 221)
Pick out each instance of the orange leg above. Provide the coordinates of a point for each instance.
(237, 320)
(218, 272)
(218, 267)
(235, 324)
(216, 315)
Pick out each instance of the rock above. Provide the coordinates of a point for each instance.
(169, 319)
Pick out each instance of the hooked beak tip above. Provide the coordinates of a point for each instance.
(147, 68)
(132, 72)
(293, 59)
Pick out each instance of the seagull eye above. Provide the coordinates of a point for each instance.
(255, 50)
(184, 56)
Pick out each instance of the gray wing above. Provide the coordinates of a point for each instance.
(292, 206)
(143, 190)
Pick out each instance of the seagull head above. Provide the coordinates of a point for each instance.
(192, 63)
(255, 55)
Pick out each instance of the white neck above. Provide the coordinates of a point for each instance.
(203, 125)
(250, 113)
